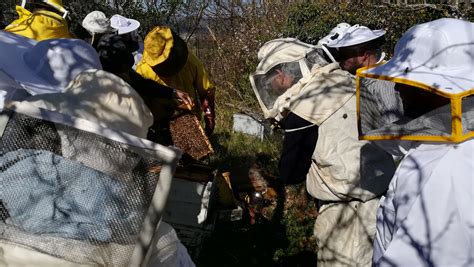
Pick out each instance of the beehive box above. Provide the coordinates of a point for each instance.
(249, 125)
(187, 210)
(193, 207)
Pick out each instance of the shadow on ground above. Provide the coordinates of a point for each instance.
(241, 244)
(267, 242)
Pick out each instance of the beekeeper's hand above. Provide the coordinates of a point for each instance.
(208, 107)
(274, 124)
(185, 99)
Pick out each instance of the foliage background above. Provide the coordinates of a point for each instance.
(226, 35)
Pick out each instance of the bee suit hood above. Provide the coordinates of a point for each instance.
(307, 66)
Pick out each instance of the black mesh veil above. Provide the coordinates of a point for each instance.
(266, 85)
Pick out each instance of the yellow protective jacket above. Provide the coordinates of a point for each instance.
(39, 25)
(192, 79)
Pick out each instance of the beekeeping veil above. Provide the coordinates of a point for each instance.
(282, 64)
(441, 67)
(77, 189)
(295, 59)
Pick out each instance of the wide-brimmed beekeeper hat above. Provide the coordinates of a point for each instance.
(124, 25)
(336, 34)
(355, 35)
(103, 98)
(445, 63)
(97, 22)
(46, 66)
(436, 57)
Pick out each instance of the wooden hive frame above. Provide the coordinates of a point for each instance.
(187, 134)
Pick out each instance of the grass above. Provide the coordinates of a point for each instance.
(274, 242)
(236, 152)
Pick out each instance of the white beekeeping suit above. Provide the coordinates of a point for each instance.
(345, 174)
(426, 218)
(167, 250)
(382, 105)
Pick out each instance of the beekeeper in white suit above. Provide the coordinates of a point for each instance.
(426, 218)
(361, 47)
(346, 175)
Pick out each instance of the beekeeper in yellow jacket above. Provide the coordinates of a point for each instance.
(168, 61)
(47, 21)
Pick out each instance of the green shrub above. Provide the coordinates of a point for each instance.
(311, 21)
